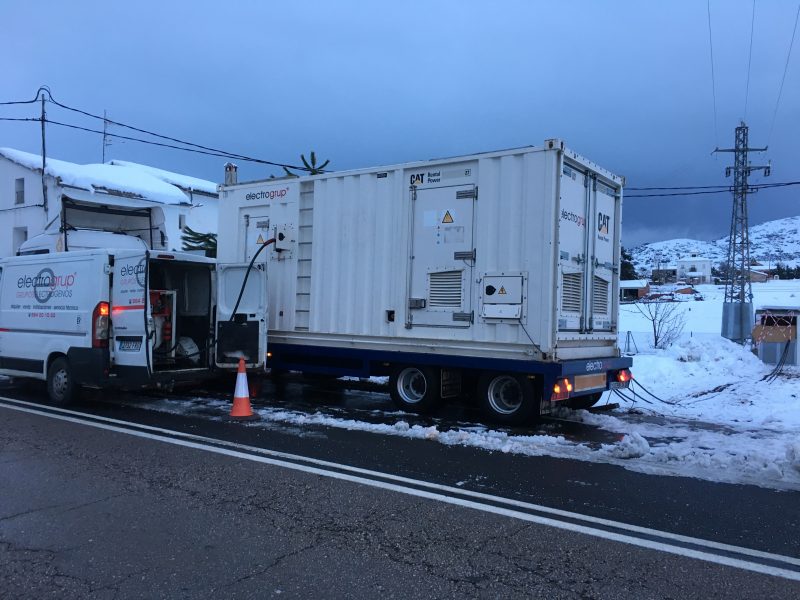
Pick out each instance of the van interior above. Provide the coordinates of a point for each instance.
(182, 314)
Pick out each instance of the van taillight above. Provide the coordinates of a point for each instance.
(561, 389)
(100, 325)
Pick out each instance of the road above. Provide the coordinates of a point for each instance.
(114, 500)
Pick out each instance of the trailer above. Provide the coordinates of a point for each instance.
(493, 275)
(127, 317)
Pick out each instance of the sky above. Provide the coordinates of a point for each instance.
(626, 83)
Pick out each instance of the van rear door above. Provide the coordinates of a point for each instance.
(130, 344)
(241, 314)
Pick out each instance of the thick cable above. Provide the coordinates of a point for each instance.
(783, 78)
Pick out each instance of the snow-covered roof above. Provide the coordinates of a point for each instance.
(633, 284)
(185, 182)
(102, 178)
(695, 258)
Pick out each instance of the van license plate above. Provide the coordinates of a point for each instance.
(590, 382)
(130, 345)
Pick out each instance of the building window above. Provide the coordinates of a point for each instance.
(18, 236)
(182, 222)
(19, 188)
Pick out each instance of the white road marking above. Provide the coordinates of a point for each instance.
(273, 458)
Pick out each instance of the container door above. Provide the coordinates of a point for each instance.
(130, 312)
(573, 248)
(241, 314)
(604, 244)
(257, 232)
(442, 256)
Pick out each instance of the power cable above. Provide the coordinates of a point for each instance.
(749, 59)
(216, 151)
(680, 187)
(783, 79)
(760, 186)
(20, 119)
(713, 82)
(172, 146)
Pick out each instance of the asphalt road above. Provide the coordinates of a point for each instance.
(90, 508)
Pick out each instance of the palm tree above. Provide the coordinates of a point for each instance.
(310, 167)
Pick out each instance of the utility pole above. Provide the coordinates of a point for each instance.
(44, 161)
(737, 311)
(106, 141)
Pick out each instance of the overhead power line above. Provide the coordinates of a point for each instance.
(783, 78)
(727, 190)
(713, 82)
(749, 59)
(172, 146)
(45, 92)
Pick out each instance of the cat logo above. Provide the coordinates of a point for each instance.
(602, 223)
(418, 179)
(448, 218)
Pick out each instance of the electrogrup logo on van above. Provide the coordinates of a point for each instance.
(45, 285)
(130, 273)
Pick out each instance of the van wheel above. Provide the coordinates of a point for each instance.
(415, 389)
(508, 398)
(584, 401)
(60, 386)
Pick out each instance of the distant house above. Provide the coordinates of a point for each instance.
(149, 203)
(664, 275)
(633, 289)
(694, 269)
(759, 276)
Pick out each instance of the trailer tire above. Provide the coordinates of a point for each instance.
(415, 389)
(508, 398)
(60, 384)
(584, 402)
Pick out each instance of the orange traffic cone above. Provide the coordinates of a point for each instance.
(241, 409)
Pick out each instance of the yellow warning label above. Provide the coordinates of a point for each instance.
(502, 291)
(260, 239)
(448, 218)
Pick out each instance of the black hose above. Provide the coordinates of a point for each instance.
(213, 342)
(247, 274)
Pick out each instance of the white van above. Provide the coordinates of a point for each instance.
(127, 318)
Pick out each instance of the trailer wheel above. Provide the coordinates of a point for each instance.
(583, 402)
(415, 389)
(60, 385)
(508, 398)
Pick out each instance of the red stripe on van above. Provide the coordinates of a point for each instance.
(131, 307)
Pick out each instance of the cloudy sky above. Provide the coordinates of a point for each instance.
(626, 83)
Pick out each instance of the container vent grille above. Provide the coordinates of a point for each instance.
(571, 292)
(445, 289)
(600, 296)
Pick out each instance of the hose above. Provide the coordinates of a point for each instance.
(213, 343)
(247, 274)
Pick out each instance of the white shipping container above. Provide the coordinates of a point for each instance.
(501, 256)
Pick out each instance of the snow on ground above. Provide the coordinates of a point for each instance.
(711, 412)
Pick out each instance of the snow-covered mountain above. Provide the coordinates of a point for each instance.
(770, 242)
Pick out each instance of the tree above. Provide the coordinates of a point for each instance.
(626, 270)
(666, 321)
(311, 166)
(194, 240)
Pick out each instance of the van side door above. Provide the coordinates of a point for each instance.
(241, 314)
(130, 312)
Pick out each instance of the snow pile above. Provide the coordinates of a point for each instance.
(182, 181)
(632, 445)
(96, 177)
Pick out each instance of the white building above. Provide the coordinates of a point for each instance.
(694, 269)
(150, 203)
